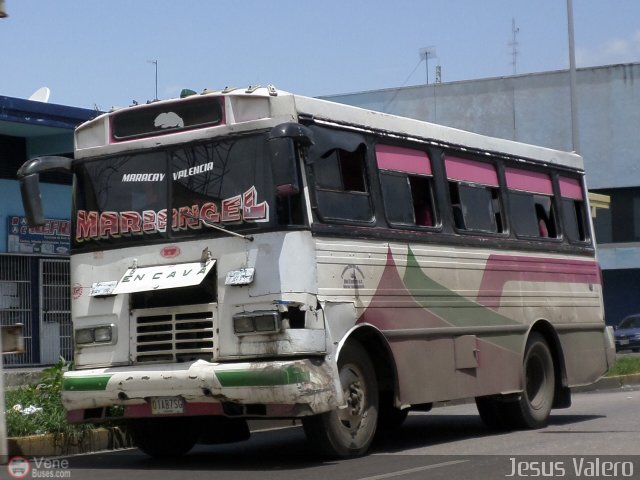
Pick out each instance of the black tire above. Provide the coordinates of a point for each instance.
(348, 432)
(165, 437)
(533, 408)
(491, 410)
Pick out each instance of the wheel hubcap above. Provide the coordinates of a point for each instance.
(355, 396)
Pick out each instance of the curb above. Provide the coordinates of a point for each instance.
(55, 445)
(18, 378)
(611, 383)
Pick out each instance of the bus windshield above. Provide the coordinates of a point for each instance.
(175, 193)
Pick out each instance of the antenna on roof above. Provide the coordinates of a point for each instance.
(427, 53)
(514, 45)
(41, 95)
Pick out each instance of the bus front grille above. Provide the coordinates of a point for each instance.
(176, 337)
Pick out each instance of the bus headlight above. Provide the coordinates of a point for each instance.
(102, 334)
(256, 322)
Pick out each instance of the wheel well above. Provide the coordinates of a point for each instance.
(562, 398)
(380, 354)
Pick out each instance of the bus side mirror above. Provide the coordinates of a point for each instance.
(29, 178)
(32, 200)
(283, 139)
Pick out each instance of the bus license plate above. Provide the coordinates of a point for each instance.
(166, 405)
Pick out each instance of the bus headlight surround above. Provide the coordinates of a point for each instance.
(98, 335)
(257, 322)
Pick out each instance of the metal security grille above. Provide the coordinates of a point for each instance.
(173, 337)
(15, 304)
(56, 331)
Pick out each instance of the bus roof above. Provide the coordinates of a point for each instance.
(275, 106)
(331, 112)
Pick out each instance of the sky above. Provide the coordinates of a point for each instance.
(99, 54)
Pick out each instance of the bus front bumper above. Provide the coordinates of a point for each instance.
(258, 389)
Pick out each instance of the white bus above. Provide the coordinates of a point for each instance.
(251, 253)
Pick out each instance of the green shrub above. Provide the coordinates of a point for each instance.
(50, 416)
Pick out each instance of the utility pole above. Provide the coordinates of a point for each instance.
(575, 140)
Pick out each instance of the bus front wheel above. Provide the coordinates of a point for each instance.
(349, 430)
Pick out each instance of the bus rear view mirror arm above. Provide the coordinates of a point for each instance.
(29, 178)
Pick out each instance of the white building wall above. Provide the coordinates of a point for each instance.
(535, 108)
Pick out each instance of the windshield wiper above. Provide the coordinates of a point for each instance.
(219, 227)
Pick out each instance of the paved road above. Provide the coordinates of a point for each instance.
(447, 443)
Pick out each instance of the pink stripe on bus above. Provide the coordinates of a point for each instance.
(402, 159)
(570, 188)
(501, 269)
(527, 181)
(471, 171)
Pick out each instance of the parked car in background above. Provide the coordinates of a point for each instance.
(628, 334)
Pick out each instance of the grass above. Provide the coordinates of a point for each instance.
(625, 366)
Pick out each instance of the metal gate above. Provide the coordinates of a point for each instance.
(56, 332)
(15, 304)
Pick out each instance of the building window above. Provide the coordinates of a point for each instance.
(621, 222)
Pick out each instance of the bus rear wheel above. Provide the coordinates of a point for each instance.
(533, 408)
(165, 437)
(491, 410)
(348, 431)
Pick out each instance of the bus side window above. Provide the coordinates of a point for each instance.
(474, 207)
(407, 185)
(531, 202)
(545, 213)
(474, 195)
(408, 199)
(341, 185)
(342, 170)
(422, 199)
(573, 210)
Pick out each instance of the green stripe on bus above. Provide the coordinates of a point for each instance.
(262, 378)
(85, 384)
(457, 310)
